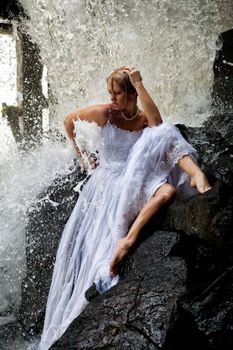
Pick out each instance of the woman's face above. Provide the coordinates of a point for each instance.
(117, 95)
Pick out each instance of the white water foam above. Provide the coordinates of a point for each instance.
(172, 42)
(22, 178)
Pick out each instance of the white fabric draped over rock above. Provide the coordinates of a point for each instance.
(133, 165)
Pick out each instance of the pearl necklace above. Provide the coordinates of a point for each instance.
(133, 117)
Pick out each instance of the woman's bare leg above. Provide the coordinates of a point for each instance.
(197, 177)
(162, 196)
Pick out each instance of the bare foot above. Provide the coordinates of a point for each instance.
(122, 249)
(199, 180)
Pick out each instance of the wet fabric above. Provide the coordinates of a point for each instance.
(133, 165)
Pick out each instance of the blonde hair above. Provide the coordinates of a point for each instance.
(122, 78)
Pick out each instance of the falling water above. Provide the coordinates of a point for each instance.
(81, 41)
(172, 42)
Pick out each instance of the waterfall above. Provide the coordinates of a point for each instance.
(173, 43)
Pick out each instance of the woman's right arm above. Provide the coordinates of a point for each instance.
(95, 113)
(69, 126)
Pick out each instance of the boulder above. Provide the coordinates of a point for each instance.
(136, 313)
(209, 216)
(206, 309)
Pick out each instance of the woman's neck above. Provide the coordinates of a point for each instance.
(130, 118)
(130, 111)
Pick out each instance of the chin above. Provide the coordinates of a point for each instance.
(116, 107)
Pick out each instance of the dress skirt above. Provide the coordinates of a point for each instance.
(133, 165)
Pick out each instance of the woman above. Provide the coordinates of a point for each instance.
(143, 164)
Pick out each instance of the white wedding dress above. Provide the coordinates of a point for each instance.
(133, 165)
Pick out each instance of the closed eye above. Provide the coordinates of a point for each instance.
(115, 92)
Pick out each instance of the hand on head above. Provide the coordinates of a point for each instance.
(134, 74)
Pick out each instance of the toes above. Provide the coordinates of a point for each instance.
(207, 188)
(192, 183)
(200, 182)
(114, 267)
(113, 270)
(122, 249)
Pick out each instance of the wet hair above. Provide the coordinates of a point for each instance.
(122, 78)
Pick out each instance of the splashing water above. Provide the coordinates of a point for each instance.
(21, 179)
(173, 44)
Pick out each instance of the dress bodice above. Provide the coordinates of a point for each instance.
(112, 143)
(117, 143)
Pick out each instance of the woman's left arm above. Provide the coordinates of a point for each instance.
(148, 105)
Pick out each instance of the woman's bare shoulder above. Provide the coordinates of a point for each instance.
(143, 119)
(95, 113)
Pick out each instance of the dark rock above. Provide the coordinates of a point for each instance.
(206, 308)
(208, 215)
(212, 311)
(11, 9)
(91, 293)
(33, 98)
(223, 124)
(134, 314)
(203, 316)
(214, 150)
(6, 331)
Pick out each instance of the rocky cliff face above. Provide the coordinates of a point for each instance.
(177, 287)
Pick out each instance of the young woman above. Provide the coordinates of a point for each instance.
(143, 165)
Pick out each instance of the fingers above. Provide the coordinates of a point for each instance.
(134, 74)
(130, 69)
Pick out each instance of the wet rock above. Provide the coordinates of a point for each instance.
(208, 215)
(214, 150)
(206, 309)
(11, 9)
(134, 314)
(223, 124)
(212, 311)
(6, 330)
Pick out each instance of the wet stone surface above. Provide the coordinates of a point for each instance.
(134, 314)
